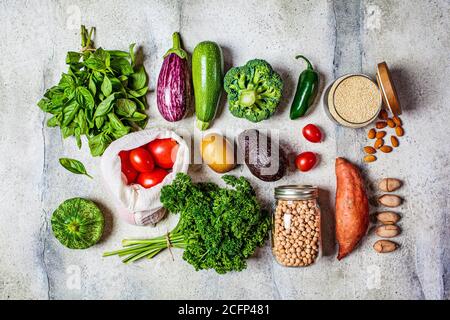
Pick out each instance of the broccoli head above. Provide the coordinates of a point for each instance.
(254, 90)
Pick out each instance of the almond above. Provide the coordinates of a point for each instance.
(370, 158)
(380, 124)
(383, 115)
(394, 141)
(399, 131)
(371, 134)
(385, 246)
(390, 123)
(397, 121)
(380, 134)
(388, 231)
(370, 150)
(379, 143)
(386, 149)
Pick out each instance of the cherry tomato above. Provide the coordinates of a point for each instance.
(142, 160)
(127, 169)
(305, 161)
(312, 133)
(151, 179)
(164, 152)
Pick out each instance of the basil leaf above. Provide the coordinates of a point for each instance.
(73, 57)
(95, 64)
(132, 55)
(84, 97)
(98, 144)
(115, 122)
(117, 85)
(67, 83)
(53, 122)
(118, 53)
(97, 77)
(125, 107)
(105, 106)
(74, 166)
(92, 86)
(45, 104)
(139, 103)
(138, 93)
(57, 96)
(142, 124)
(118, 128)
(67, 132)
(122, 66)
(69, 113)
(90, 118)
(82, 123)
(117, 134)
(77, 133)
(99, 121)
(103, 56)
(106, 86)
(137, 116)
(138, 80)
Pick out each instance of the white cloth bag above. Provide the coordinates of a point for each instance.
(138, 205)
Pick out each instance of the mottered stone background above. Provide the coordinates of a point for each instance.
(338, 36)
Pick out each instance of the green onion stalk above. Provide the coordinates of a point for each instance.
(148, 248)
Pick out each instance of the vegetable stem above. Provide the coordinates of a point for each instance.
(309, 65)
(176, 41)
(176, 47)
(247, 98)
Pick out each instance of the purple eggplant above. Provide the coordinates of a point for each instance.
(174, 83)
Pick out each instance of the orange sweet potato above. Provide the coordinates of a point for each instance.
(352, 207)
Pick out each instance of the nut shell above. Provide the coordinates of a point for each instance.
(389, 184)
(388, 231)
(388, 217)
(390, 200)
(385, 246)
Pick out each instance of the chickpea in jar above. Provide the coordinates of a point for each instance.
(296, 232)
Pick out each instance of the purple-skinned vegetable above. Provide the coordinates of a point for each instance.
(174, 83)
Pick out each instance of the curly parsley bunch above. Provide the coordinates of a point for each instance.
(219, 228)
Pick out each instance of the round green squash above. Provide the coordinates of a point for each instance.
(78, 223)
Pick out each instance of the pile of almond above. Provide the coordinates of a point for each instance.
(379, 134)
(388, 220)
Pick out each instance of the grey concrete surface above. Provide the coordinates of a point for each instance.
(338, 36)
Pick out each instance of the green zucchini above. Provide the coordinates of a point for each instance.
(207, 77)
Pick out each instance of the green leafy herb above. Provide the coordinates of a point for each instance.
(101, 96)
(74, 166)
(219, 228)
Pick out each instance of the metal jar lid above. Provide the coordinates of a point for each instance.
(389, 93)
(296, 192)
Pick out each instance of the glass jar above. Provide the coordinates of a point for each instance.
(296, 240)
(353, 101)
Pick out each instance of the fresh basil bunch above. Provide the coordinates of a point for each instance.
(102, 95)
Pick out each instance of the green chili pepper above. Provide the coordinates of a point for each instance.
(308, 84)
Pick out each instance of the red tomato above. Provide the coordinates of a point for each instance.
(164, 151)
(142, 160)
(312, 133)
(305, 161)
(150, 179)
(127, 168)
